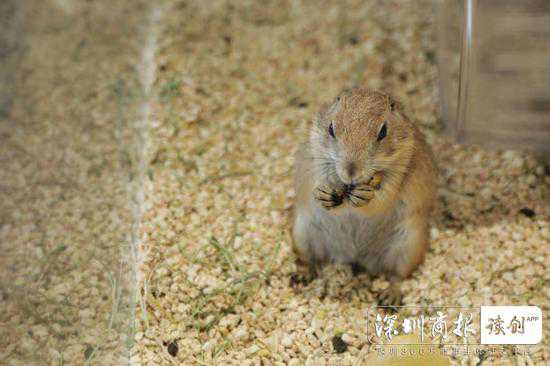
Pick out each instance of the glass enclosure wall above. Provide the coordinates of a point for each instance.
(68, 92)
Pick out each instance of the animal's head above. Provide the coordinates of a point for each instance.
(361, 133)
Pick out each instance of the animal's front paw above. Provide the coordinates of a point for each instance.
(360, 195)
(329, 197)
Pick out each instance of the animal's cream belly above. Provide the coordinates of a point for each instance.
(344, 236)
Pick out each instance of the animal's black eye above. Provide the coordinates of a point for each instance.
(331, 130)
(383, 132)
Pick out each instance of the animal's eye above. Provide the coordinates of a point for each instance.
(383, 132)
(331, 130)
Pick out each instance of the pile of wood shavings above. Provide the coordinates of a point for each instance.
(238, 82)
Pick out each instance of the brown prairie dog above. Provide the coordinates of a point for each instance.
(365, 187)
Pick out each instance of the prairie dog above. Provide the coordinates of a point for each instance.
(365, 188)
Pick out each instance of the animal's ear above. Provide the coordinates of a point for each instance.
(322, 115)
(325, 107)
(394, 105)
(343, 93)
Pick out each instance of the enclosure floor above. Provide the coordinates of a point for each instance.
(237, 84)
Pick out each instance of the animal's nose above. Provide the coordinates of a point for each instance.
(351, 169)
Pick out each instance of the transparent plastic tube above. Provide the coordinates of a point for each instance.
(495, 72)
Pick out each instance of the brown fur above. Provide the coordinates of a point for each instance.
(328, 189)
